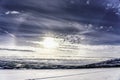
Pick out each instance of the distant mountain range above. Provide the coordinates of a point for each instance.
(6, 64)
(103, 64)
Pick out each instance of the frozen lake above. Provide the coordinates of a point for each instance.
(70, 74)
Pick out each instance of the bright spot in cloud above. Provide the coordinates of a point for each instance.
(12, 12)
(49, 42)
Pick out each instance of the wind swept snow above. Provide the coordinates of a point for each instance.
(69, 74)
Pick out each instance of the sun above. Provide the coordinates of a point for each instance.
(49, 42)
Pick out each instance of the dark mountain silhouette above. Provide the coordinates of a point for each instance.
(44, 65)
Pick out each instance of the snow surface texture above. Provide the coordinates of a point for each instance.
(73, 74)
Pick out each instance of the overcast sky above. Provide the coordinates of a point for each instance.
(88, 28)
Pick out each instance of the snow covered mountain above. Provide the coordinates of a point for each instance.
(108, 63)
(17, 64)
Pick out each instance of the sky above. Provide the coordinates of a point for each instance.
(64, 29)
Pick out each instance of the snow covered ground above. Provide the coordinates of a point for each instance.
(59, 74)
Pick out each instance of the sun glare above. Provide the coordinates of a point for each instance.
(50, 42)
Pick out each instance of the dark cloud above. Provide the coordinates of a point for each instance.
(91, 19)
(20, 50)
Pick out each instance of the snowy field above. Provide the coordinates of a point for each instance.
(72, 74)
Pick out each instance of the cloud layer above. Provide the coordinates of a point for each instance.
(77, 22)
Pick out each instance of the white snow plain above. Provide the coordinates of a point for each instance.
(62, 74)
